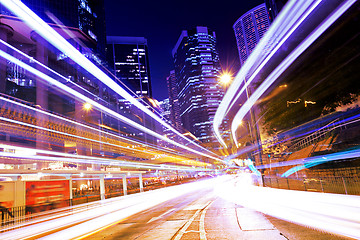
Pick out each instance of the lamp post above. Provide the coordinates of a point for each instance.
(225, 79)
(87, 107)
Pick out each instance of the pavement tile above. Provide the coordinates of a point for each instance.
(163, 231)
(251, 220)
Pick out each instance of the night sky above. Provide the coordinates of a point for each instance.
(161, 23)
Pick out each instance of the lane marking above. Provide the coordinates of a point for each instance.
(162, 215)
(189, 222)
(100, 229)
(202, 223)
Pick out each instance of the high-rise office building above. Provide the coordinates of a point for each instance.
(249, 29)
(173, 100)
(77, 21)
(85, 15)
(81, 20)
(197, 69)
(129, 59)
(274, 7)
(84, 21)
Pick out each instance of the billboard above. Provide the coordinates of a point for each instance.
(46, 195)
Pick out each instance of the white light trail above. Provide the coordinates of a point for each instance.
(74, 123)
(66, 134)
(96, 104)
(334, 213)
(285, 64)
(102, 213)
(285, 24)
(44, 30)
(94, 160)
(49, 69)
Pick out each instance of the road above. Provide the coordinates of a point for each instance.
(204, 215)
(199, 210)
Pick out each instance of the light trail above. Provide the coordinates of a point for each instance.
(348, 154)
(67, 157)
(104, 161)
(68, 134)
(282, 28)
(44, 30)
(97, 105)
(285, 64)
(277, 34)
(101, 214)
(120, 138)
(334, 213)
(127, 148)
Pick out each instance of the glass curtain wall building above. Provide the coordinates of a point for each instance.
(85, 15)
(78, 21)
(197, 71)
(173, 100)
(249, 29)
(130, 61)
(128, 57)
(274, 7)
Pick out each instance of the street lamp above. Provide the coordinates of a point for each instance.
(225, 79)
(87, 106)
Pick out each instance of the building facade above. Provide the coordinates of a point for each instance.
(249, 29)
(34, 52)
(83, 22)
(274, 7)
(128, 57)
(174, 116)
(197, 70)
(85, 15)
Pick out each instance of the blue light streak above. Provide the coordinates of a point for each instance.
(294, 13)
(285, 64)
(347, 154)
(282, 28)
(96, 104)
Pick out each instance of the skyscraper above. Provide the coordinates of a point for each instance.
(174, 116)
(249, 29)
(81, 21)
(77, 20)
(129, 59)
(86, 15)
(197, 70)
(274, 7)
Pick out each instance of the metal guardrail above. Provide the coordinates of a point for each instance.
(339, 185)
(12, 217)
(318, 135)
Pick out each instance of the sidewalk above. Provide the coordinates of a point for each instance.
(226, 220)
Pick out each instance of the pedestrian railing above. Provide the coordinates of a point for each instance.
(13, 217)
(340, 185)
(318, 135)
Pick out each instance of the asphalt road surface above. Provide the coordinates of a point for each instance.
(206, 209)
(204, 215)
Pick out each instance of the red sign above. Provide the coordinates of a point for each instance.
(47, 193)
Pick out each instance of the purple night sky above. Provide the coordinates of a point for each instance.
(161, 22)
